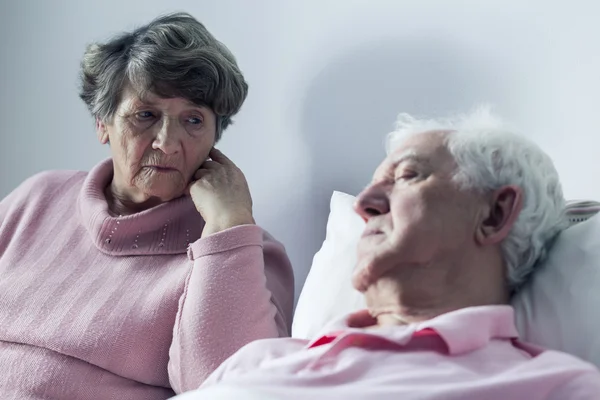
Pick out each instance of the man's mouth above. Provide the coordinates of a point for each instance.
(371, 232)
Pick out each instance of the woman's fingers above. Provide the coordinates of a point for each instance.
(209, 164)
(221, 195)
(200, 173)
(218, 156)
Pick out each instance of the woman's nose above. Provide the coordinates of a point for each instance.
(167, 138)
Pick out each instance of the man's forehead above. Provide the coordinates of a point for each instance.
(427, 148)
(419, 147)
(426, 139)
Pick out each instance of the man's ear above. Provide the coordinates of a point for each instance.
(504, 208)
(101, 131)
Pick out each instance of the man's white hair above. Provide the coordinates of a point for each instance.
(489, 156)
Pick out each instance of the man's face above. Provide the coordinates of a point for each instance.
(416, 214)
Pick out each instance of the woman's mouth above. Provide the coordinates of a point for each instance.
(160, 168)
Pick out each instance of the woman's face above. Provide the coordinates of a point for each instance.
(157, 145)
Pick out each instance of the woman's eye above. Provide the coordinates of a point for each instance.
(144, 115)
(194, 120)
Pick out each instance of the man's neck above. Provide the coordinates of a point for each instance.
(426, 294)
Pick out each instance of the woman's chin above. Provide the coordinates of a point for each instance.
(164, 193)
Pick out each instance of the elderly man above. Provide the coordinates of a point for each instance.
(456, 217)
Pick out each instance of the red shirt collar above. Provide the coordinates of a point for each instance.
(463, 330)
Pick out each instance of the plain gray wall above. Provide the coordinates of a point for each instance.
(327, 79)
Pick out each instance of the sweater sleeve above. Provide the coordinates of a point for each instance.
(240, 289)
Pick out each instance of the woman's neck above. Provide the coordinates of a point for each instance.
(120, 203)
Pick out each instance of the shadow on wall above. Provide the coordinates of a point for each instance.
(353, 102)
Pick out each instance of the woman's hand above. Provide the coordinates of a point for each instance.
(221, 195)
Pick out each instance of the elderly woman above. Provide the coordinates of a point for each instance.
(456, 217)
(136, 280)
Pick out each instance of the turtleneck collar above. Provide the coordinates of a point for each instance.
(165, 229)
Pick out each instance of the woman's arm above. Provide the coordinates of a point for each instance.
(241, 289)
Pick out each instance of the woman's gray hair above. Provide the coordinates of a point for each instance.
(172, 56)
(488, 157)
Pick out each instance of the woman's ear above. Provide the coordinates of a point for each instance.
(101, 131)
(504, 209)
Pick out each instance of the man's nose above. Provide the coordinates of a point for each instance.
(372, 201)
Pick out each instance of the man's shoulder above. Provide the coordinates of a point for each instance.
(553, 359)
(569, 374)
(585, 386)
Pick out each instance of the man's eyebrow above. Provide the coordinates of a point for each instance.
(409, 156)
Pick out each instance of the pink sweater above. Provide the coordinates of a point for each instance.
(137, 307)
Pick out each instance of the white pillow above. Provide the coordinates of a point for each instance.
(559, 309)
(327, 291)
